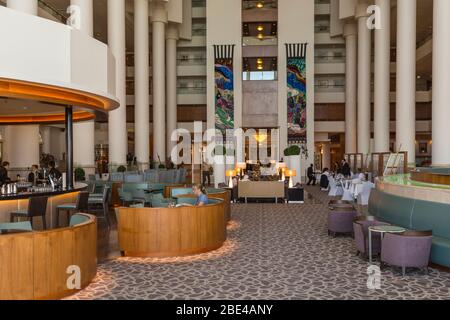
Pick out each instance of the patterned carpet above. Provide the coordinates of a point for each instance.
(272, 252)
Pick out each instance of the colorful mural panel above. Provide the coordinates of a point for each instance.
(297, 94)
(224, 94)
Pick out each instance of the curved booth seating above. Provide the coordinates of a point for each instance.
(171, 232)
(408, 250)
(414, 214)
(40, 265)
(223, 194)
(341, 220)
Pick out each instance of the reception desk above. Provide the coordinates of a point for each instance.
(36, 265)
(14, 202)
(171, 232)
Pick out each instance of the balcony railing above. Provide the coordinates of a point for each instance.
(191, 90)
(191, 61)
(329, 59)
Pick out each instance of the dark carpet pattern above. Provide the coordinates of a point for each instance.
(273, 252)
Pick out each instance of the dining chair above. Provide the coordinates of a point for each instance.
(81, 205)
(37, 207)
(102, 203)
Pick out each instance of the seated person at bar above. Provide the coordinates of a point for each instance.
(200, 192)
(34, 175)
(4, 173)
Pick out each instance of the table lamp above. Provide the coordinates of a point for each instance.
(230, 174)
(240, 167)
(291, 174)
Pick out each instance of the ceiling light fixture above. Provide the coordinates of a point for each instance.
(260, 36)
(260, 28)
(260, 5)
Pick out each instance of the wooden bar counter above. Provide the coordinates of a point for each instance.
(171, 232)
(36, 265)
(14, 202)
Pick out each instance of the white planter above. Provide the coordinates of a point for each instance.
(294, 163)
(219, 170)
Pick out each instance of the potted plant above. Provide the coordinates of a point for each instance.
(121, 169)
(292, 157)
(80, 174)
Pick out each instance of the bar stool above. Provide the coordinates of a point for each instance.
(37, 207)
(80, 206)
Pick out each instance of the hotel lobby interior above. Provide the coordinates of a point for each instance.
(224, 150)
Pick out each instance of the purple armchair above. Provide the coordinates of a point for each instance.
(341, 220)
(411, 249)
(361, 232)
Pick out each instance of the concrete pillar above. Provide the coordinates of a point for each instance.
(406, 78)
(326, 155)
(84, 132)
(171, 62)
(441, 82)
(382, 78)
(21, 148)
(142, 83)
(46, 139)
(159, 21)
(364, 77)
(26, 6)
(350, 34)
(117, 125)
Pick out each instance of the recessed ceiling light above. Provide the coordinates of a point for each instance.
(260, 28)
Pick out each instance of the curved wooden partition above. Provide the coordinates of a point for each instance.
(34, 266)
(431, 177)
(225, 195)
(171, 232)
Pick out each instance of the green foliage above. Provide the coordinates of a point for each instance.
(292, 151)
(161, 166)
(80, 174)
(121, 169)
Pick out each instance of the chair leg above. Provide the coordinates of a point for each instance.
(57, 218)
(44, 222)
(105, 213)
(404, 271)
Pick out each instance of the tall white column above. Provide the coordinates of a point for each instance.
(21, 148)
(326, 155)
(350, 34)
(382, 78)
(159, 20)
(142, 83)
(172, 105)
(441, 82)
(117, 125)
(364, 77)
(46, 139)
(406, 78)
(27, 6)
(84, 132)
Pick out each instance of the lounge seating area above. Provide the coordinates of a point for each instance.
(374, 238)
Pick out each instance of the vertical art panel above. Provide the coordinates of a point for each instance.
(297, 93)
(224, 113)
